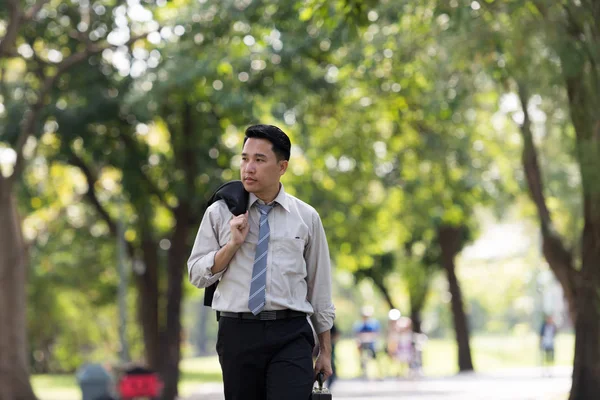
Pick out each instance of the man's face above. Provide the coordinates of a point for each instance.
(260, 171)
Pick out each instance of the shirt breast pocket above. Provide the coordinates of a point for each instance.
(288, 255)
(288, 275)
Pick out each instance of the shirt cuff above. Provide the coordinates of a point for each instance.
(323, 319)
(201, 275)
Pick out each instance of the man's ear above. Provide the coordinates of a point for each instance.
(283, 165)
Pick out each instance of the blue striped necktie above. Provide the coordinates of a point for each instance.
(256, 301)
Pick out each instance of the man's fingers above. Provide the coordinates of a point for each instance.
(240, 221)
(324, 376)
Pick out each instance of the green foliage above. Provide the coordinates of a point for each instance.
(75, 293)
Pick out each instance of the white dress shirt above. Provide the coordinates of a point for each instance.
(298, 264)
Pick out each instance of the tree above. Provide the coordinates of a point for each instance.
(576, 44)
(513, 39)
(37, 63)
(518, 33)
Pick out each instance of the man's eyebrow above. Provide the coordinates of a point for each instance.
(255, 155)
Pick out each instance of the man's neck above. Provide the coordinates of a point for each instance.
(269, 197)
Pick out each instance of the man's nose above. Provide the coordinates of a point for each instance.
(250, 167)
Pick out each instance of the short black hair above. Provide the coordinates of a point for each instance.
(280, 141)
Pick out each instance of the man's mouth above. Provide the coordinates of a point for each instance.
(249, 179)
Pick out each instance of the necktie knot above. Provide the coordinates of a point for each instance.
(264, 209)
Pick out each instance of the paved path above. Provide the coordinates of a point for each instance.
(514, 384)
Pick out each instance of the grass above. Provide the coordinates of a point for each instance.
(490, 353)
(196, 371)
(56, 387)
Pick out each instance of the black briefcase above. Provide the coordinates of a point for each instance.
(320, 393)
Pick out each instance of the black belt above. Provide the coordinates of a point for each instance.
(264, 315)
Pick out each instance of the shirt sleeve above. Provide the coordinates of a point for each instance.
(203, 253)
(318, 267)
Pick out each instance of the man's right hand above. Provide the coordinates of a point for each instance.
(239, 229)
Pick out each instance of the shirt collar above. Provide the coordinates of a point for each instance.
(281, 199)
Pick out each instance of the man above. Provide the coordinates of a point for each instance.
(274, 271)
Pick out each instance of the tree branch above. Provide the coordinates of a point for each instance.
(188, 157)
(14, 23)
(91, 195)
(578, 33)
(91, 178)
(541, 8)
(559, 258)
(3, 91)
(384, 291)
(130, 143)
(32, 12)
(531, 165)
(31, 116)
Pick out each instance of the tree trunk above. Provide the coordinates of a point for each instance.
(201, 339)
(558, 257)
(14, 367)
(581, 288)
(418, 283)
(586, 365)
(417, 297)
(148, 302)
(171, 337)
(450, 244)
(415, 316)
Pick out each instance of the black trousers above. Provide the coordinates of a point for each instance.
(266, 360)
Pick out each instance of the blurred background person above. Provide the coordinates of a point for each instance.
(335, 335)
(367, 332)
(393, 339)
(416, 365)
(400, 341)
(547, 336)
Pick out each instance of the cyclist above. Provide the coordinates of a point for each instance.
(367, 332)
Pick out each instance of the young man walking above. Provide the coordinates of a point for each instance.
(274, 271)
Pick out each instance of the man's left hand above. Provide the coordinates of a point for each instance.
(323, 364)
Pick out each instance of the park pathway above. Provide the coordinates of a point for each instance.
(513, 384)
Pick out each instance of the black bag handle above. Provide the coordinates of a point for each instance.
(320, 376)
